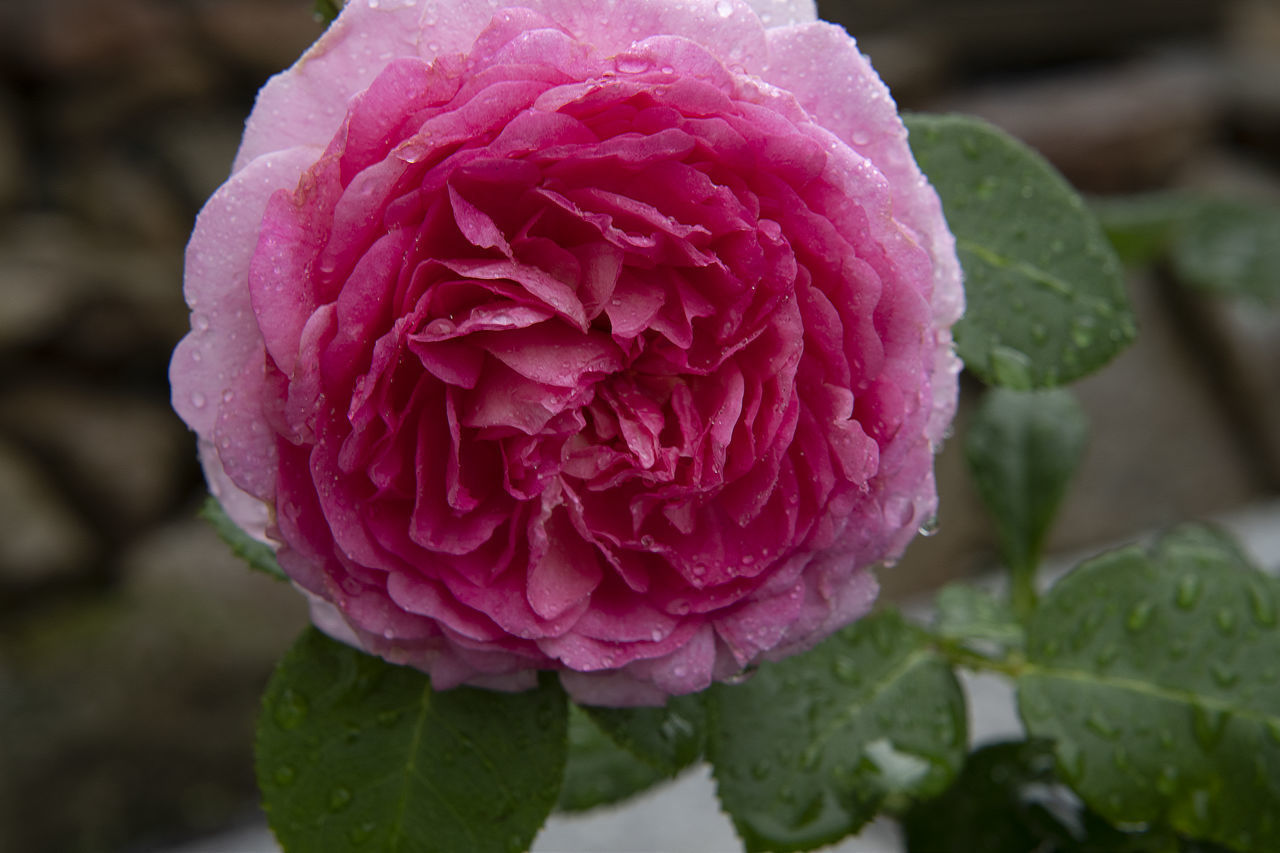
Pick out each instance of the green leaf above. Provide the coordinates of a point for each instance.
(599, 772)
(1045, 297)
(968, 614)
(1022, 449)
(1008, 799)
(996, 805)
(811, 748)
(327, 10)
(260, 557)
(1232, 248)
(355, 754)
(668, 739)
(1141, 227)
(1157, 675)
(1215, 244)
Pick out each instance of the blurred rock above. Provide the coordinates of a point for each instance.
(124, 456)
(138, 709)
(1250, 340)
(260, 36)
(79, 37)
(123, 195)
(198, 146)
(35, 293)
(108, 297)
(11, 170)
(1161, 449)
(40, 536)
(1115, 129)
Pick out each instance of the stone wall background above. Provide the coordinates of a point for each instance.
(133, 648)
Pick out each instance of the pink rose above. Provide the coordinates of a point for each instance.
(609, 337)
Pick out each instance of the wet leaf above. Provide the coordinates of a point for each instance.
(811, 748)
(356, 754)
(598, 772)
(1157, 676)
(1045, 297)
(257, 555)
(1022, 449)
(668, 739)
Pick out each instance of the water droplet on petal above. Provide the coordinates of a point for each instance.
(198, 400)
(724, 8)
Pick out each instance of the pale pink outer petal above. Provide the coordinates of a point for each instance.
(821, 66)
(250, 514)
(224, 335)
(305, 104)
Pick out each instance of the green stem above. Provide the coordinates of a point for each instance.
(1012, 664)
(1022, 589)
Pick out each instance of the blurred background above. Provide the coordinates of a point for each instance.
(133, 648)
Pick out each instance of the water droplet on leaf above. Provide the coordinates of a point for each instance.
(339, 799)
(1139, 616)
(1101, 725)
(291, 709)
(1188, 591)
(1208, 724)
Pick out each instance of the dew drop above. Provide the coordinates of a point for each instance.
(846, 671)
(1072, 758)
(362, 833)
(388, 718)
(1225, 619)
(290, 710)
(1139, 616)
(1188, 591)
(1208, 725)
(1101, 725)
(1107, 656)
(1082, 331)
(1263, 605)
(198, 399)
(1012, 367)
(339, 799)
(1200, 806)
(199, 322)
(930, 526)
(632, 64)
(724, 8)
(1167, 780)
(1273, 729)
(1224, 675)
(285, 775)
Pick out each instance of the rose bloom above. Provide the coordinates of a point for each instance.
(607, 337)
